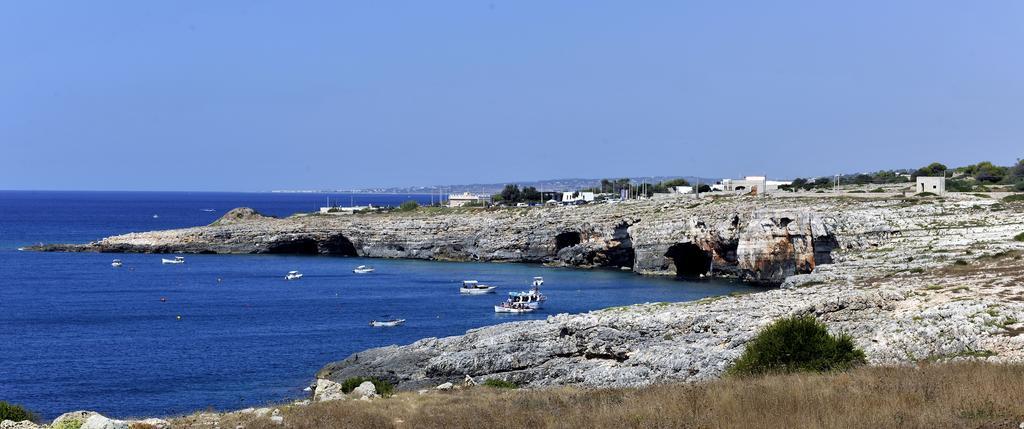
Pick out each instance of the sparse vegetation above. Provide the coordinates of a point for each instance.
(384, 388)
(1019, 237)
(796, 344)
(71, 423)
(1013, 198)
(409, 206)
(500, 384)
(964, 394)
(16, 413)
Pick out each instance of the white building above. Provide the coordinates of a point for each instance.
(935, 185)
(682, 189)
(459, 200)
(344, 210)
(748, 184)
(569, 197)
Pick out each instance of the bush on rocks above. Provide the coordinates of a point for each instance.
(798, 343)
(16, 413)
(1019, 237)
(384, 389)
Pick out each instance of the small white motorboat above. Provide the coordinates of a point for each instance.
(176, 260)
(513, 307)
(363, 269)
(293, 275)
(386, 323)
(473, 287)
(156, 216)
(116, 263)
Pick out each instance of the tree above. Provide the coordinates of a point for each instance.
(511, 194)
(1017, 171)
(933, 169)
(531, 193)
(703, 188)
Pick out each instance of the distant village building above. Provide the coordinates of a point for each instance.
(344, 210)
(459, 200)
(760, 184)
(682, 189)
(569, 197)
(935, 185)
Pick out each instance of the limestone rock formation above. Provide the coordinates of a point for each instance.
(909, 282)
(761, 240)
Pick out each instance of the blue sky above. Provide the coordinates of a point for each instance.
(254, 95)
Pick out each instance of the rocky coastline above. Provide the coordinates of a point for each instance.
(757, 240)
(911, 279)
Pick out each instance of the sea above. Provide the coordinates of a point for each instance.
(226, 332)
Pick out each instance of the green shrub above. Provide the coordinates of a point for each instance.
(877, 190)
(409, 206)
(798, 343)
(68, 424)
(500, 384)
(926, 194)
(16, 413)
(1019, 237)
(384, 388)
(1013, 198)
(858, 191)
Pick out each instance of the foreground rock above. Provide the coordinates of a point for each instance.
(922, 280)
(762, 240)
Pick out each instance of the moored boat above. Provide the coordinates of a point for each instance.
(116, 263)
(293, 275)
(532, 298)
(176, 260)
(513, 307)
(473, 287)
(386, 323)
(363, 269)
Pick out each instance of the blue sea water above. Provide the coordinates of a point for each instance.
(76, 333)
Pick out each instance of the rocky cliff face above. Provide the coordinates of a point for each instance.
(909, 281)
(759, 240)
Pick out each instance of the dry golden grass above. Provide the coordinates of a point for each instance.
(933, 396)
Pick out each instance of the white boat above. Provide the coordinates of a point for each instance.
(155, 216)
(116, 263)
(176, 260)
(473, 287)
(293, 275)
(386, 323)
(508, 307)
(363, 269)
(532, 298)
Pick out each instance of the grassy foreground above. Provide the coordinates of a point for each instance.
(935, 395)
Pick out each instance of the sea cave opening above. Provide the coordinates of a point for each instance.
(689, 259)
(567, 239)
(338, 245)
(301, 246)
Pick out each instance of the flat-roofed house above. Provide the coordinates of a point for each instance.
(933, 184)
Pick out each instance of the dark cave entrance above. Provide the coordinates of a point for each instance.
(338, 246)
(302, 246)
(689, 259)
(567, 239)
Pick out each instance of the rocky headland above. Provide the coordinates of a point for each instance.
(911, 279)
